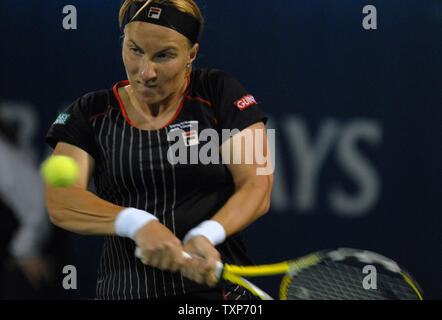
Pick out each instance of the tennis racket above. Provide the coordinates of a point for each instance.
(340, 274)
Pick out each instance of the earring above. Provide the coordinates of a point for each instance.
(188, 65)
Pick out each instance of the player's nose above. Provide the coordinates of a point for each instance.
(147, 71)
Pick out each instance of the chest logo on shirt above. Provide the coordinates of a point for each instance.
(189, 145)
(190, 138)
(189, 132)
(245, 102)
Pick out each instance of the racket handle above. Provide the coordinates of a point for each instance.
(219, 267)
(139, 255)
(187, 255)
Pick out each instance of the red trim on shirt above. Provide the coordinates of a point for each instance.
(123, 110)
(200, 99)
(101, 114)
(181, 104)
(120, 102)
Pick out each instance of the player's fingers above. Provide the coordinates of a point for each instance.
(192, 270)
(149, 257)
(208, 272)
(155, 259)
(175, 258)
(210, 266)
(166, 259)
(211, 279)
(144, 259)
(161, 258)
(211, 260)
(171, 258)
(195, 275)
(176, 264)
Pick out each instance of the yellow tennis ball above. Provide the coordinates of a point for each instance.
(60, 171)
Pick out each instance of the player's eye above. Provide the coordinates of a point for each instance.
(135, 50)
(164, 55)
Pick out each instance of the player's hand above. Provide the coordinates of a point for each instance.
(203, 264)
(160, 247)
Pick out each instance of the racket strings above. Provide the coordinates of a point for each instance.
(297, 265)
(330, 280)
(324, 283)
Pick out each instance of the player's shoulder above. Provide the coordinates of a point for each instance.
(94, 102)
(213, 84)
(212, 76)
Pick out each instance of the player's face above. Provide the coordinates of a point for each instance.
(155, 59)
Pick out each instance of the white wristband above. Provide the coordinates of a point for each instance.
(130, 220)
(210, 229)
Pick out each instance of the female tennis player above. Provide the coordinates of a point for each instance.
(122, 138)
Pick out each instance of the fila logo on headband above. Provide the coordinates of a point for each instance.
(154, 13)
(245, 101)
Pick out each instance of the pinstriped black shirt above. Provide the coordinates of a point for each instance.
(132, 170)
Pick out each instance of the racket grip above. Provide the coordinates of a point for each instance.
(139, 255)
(187, 255)
(219, 267)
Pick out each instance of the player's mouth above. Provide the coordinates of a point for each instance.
(144, 85)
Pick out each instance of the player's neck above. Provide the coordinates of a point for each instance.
(156, 110)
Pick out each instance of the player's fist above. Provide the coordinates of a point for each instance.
(159, 247)
(202, 270)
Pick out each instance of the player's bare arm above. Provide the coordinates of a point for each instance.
(250, 201)
(251, 198)
(76, 209)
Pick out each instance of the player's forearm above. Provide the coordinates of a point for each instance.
(81, 211)
(248, 203)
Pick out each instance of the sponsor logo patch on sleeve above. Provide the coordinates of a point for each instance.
(62, 118)
(245, 101)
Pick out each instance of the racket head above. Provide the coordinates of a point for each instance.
(348, 274)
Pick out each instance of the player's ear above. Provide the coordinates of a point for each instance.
(193, 52)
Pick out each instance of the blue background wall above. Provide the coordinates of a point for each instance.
(362, 104)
